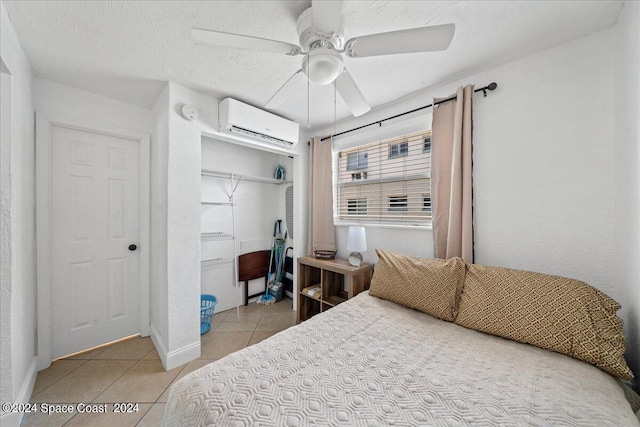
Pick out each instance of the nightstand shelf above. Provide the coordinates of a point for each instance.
(337, 279)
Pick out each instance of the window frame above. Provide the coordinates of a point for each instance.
(424, 144)
(401, 147)
(359, 176)
(358, 167)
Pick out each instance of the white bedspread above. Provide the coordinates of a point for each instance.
(369, 362)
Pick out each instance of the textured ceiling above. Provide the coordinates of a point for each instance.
(128, 49)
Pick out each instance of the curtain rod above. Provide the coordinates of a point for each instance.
(490, 86)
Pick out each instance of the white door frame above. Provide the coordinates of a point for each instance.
(44, 123)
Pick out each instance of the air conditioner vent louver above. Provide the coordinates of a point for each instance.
(261, 136)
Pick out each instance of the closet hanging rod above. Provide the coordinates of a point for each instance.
(490, 87)
(222, 174)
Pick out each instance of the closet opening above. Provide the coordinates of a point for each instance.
(245, 192)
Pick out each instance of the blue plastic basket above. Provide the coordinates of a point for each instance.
(207, 305)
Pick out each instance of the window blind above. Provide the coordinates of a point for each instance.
(386, 181)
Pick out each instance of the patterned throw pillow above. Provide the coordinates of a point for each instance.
(555, 313)
(432, 286)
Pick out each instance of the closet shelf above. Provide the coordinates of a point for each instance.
(217, 203)
(210, 264)
(230, 262)
(216, 236)
(221, 174)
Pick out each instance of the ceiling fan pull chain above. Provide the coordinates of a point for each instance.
(335, 109)
(308, 98)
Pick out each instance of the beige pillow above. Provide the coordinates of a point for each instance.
(432, 286)
(551, 312)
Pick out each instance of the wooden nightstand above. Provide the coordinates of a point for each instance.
(331, 277)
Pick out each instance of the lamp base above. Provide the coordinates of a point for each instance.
(355, 259)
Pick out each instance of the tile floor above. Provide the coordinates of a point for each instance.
(130, 371)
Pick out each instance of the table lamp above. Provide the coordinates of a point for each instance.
(356, 243)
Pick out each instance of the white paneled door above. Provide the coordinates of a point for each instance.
(95, 234)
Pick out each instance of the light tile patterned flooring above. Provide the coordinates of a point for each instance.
(130, 371)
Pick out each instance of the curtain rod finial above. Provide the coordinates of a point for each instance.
(492, 86)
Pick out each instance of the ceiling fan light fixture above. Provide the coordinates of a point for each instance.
(322, 65)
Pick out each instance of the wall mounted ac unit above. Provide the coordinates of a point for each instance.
(239, 118)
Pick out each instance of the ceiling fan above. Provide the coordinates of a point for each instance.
(321, 35)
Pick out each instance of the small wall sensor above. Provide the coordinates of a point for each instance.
(189, 112)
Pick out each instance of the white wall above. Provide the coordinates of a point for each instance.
(56, 98)
(158, 284)
(183, 233)
(543, 163)
(626, 162)
(540, 164)
(544, 166)
(181, 339)
(5, 234)
(175, 231)
(17, 220)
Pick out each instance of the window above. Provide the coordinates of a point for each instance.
(393, 188)
(399, 149)
(357, 207)
(426, 203)
(397, 203)
(358, 175)
(356, 161)
(426, 144)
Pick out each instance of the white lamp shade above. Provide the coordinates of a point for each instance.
(322, 65)
(356, 239)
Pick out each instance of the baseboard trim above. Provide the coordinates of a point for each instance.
(183, 355)
(24, 395)
(161, 348)
(175, 358)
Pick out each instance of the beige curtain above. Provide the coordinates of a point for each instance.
(322, 234)
(451, 177)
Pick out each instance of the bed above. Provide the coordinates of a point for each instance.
(433, 342)
(372, 362)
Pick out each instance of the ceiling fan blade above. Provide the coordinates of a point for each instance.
(218, 38)
(327, 16)
(423, 39)
(286, 90)
(351, 94)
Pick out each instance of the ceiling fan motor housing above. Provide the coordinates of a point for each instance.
(308, 35)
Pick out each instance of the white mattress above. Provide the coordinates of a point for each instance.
(369, 362)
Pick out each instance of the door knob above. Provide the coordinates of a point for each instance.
(132, 247)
